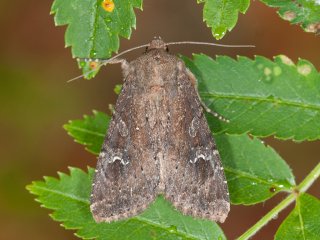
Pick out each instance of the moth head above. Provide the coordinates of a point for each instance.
(157, 43)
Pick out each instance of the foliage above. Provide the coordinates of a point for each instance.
(254, 173)
(90, 131)
(306, 13)
(303, 222)
(93, 31)
(69, 197)
(260, 97)
(222, 15)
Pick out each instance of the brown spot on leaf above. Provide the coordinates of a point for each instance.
(286, 60)
(313, 27)
(289, 15)
(304, 69)
(272, 189)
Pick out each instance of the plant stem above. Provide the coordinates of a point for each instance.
(269, 216)
(301, 188)
(309, 180)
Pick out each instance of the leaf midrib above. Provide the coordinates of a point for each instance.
(94, 25)
(261, 99)
(70, 196)
(301, 221)
(84, 130)
(253, 177)
(155, 224)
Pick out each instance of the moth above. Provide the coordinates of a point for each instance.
(158, 142)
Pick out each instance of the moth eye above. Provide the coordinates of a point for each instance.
(108, 5)
(177, 167)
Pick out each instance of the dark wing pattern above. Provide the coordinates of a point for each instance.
(194, 180)
(122, 186)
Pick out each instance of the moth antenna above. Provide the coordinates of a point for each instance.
(209, 44)
(110, 60)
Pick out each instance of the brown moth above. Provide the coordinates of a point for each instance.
(158, 142)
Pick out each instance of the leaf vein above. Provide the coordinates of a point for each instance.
(70, 196)
(84, 130)
(148, 221)
(249, 176)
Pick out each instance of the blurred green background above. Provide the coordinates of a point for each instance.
(36, 100)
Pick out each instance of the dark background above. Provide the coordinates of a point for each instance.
(36, 101)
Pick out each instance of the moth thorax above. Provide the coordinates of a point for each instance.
(157, 44)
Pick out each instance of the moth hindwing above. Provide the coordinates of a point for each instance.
(158, 142)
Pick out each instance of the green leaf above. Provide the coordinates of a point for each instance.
(306, 13)
(117, 88)
(90, 131)
(303, 222)
(69, 198)
(89, 68)
(92, 31)
(254, 172)
(222, 15)
(260, 96)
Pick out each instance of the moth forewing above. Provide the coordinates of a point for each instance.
(159, 142)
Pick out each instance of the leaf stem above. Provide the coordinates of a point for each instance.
(301, 188)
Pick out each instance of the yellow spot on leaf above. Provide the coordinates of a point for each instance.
(304, 69)
(260, 66)
(108, 5)
(267, 71)
(93, 65)
(277, 71)
(286, 60)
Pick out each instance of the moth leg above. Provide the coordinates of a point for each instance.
(119, 60)
(215, 114)
(103, 61)
(125, 65)
(194, 82)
